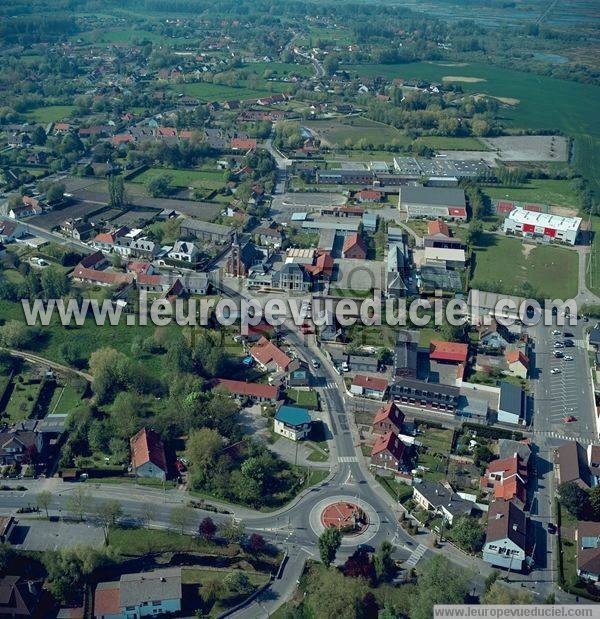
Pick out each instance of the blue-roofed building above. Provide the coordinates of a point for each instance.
(369, 221)
(299, 216)
(292, 422)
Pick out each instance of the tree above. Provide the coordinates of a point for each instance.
(107, 367)
(15, 334)
(148, 513)
(594, 501)
(55, 193)
(468, 534)
(44, 500)
(439, 583)
(108, 513)
(207, 528)
(233, 531)
(334, 595)
(238, 582)
(383, 562)
(181, 517)
(211, 590)
(329, 542)
(202, 447)
(500, 594)
(256, 542)
(359, 565)
(39, 136)
(573, 498)
(55, 283)
(474, 233)
(116, 191)
(159, 186)
(78, 502)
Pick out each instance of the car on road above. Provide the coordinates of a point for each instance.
(315, 364)
(551, 528)
(559, 354)
(555, 371)
(568, 358)
(345, 367)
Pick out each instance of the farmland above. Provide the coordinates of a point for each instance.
(50, 113)
(355, 129)
(451, 143)
(503, 263)
(207, 91)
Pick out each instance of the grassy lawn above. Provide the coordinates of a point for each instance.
(23, 397)
(425, 337)
(140, 541)
(66, 397)
(51, 113)
(307, 399)
(398, 491)
(552, 271)
(593, 259)
(436, 467)
(317, 456)
(451, 143)
(207, 91)
(279, 69)
(537, 191)
(437, 439)
(206, 179)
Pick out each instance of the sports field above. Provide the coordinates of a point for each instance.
(352, 130)
(537, 191)
(207, 91)
(508, 264)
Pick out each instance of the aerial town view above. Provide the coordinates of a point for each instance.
(299, 309)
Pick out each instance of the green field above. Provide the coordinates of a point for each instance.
(538, 191)
(127, 35)
(307, 399)
(440, 142)
(66, 397)
(335, 132)
(279, 69)
(207, 91)
(544, 102)
(51, 113)
(593, 260)
(587, 160)
(206, 179)
(23, 398)
(502, 263)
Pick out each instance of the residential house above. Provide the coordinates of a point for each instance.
(594, 337)
(184, 251)
(361, 363)
(144, 248)
(19, 446)
(508, 478)
(368, 195)
(587, 538)
(405, 354)
(77, 228)
(518, 363)
(96, 261)
(507, 447)
(387, 452)
(139, 595)
(7, 524)
(447, 361)
(511, 406)
(101, 278)
(354, 248)
(440, 498)
(148, 455)
(254, 391)
(269, 357)
(10, 231)
(369, 386)
(506, 536)
(571, 465)
(25, 210)
(425, 394)
(298, 379)
(292, 422)
(493, 336)
(389, 418)
(19, 597)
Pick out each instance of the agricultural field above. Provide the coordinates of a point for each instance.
(206, 92)
(205, 179)
(508, 264)
(50, 113)
(337, 131)
(279, 70)
(537, 191)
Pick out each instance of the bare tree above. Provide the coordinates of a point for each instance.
(78, 501)
(181, 517)
(148, 513)
(108, 513)
(44, 500)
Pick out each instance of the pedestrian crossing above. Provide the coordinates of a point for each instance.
(416, 556)
(347, 459)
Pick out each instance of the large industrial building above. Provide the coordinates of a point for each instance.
(533, 224)
(433, 203)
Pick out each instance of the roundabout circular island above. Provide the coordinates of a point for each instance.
(348, 518)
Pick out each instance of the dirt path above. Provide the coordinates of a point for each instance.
(43, 361)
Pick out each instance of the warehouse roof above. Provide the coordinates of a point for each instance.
(437, 196)
(544, 220)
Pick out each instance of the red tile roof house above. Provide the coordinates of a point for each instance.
(101, 278)
(449, 353)
(270, 357)
(508, 478)
(388, 419)
(241, 144)
(369, 386)
(354, 248)
(387, 452)
(438, 227)
(148, 455)
(368, 195)
(518, 363)
(255, 391)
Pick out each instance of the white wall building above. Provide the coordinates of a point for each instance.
(532, 224)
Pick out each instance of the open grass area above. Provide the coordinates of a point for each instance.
(439, 142)
(437, 439)
(434, 467)
(207, 91)
(206, 179)
(279, 70)
(507, 265)
(25, 393)
(353, 130)
(593, 259)
(537, 191)
(398, 491)
(67, 397)
(50, 113)
(307, 399)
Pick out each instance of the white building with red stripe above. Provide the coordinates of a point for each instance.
(533, 224)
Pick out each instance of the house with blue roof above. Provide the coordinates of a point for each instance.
(292, 422)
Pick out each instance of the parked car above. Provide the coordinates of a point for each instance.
(315, 364)
(569, 343)
(555, 371)
(551, 528)
(558, 354)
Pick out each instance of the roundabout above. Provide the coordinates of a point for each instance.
(357, 519)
